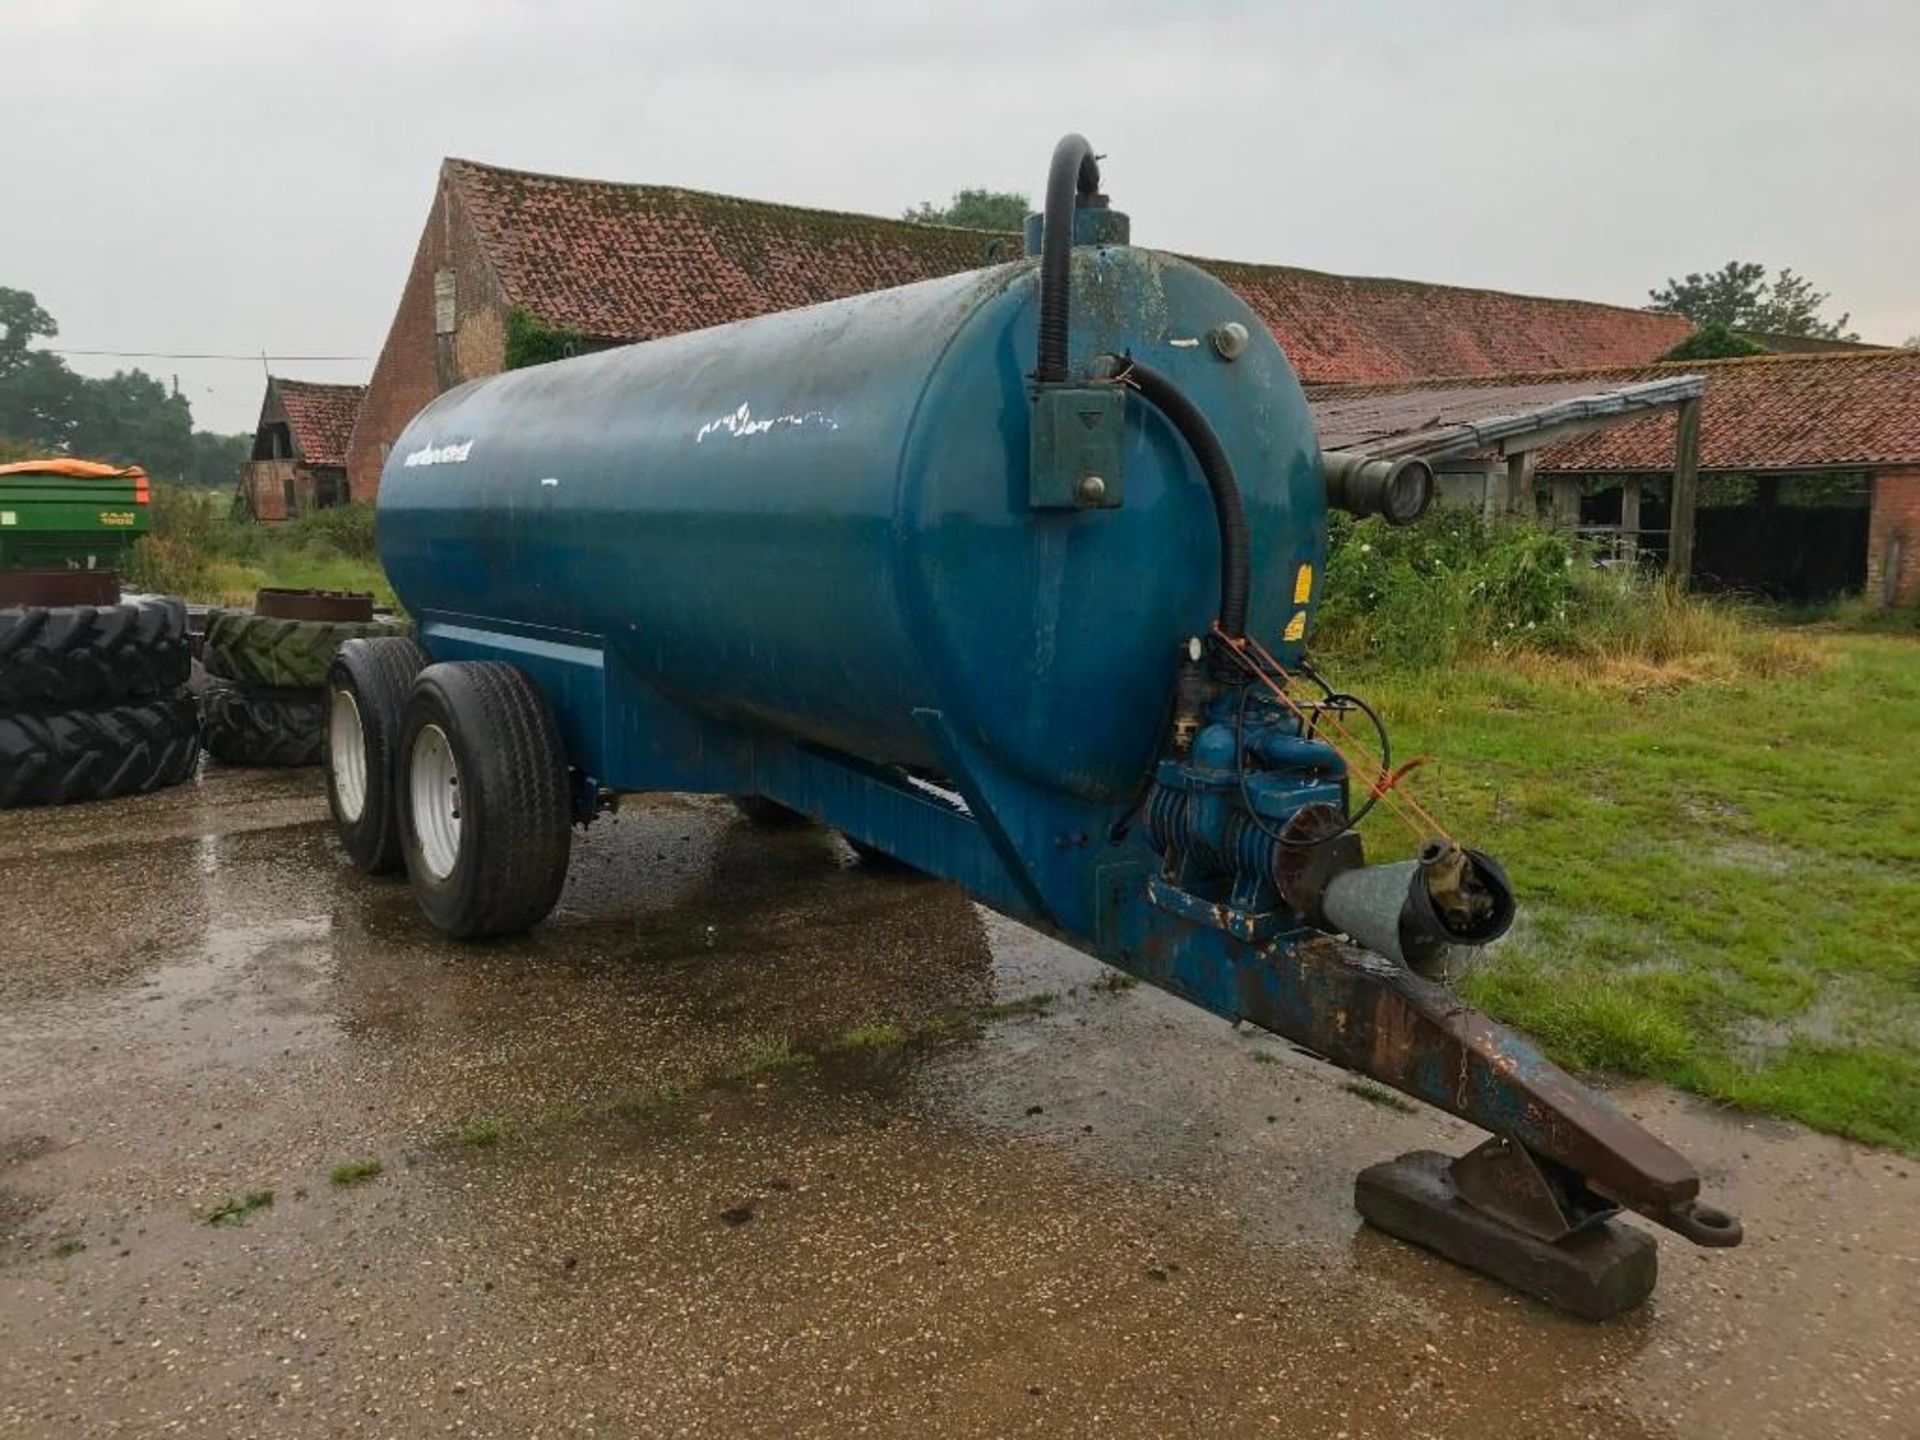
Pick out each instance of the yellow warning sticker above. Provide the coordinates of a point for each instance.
(1297, 627)
(1303, 585)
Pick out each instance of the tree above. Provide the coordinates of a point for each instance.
(1713, 341)
(22, 321)
(37, 399)
(132, 419)
(214, 460)
(36, 389)
(1739, 297)
(974, 210)
(128, 419)
(1912, 342)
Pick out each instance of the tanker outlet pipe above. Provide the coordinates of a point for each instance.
(1421, 911)
(1399, 491)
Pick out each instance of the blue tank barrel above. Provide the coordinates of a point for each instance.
(819, 521)
(1009, 576)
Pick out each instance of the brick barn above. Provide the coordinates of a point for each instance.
(615, 263)
(1826, 440)
(299, 459)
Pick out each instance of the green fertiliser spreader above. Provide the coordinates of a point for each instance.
(70, 514)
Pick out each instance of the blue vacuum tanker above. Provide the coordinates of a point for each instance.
(1008, 576)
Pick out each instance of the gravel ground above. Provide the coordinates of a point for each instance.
(1115, 1217)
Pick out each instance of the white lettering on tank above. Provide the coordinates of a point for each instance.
(452, 453)
(741, 423)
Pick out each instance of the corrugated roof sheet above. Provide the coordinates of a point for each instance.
(1417, 419)
(631, 262)
(1766, 412)
(320, 417)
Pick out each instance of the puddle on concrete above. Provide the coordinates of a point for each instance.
(1115, 1217)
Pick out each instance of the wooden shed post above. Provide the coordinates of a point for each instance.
(1630, 517)
(1686, 493)
(1519, 482)
(1566, 502)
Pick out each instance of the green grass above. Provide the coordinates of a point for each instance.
(871, 1037)
(197, 550)
(1379, 1095)
(767, 1054)
(1720, 878)
(1036, 1004)
(235, 1209)
(355, 1172)
(480, 1132)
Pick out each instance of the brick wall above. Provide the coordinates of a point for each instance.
(268, 483)
(1894, 537)
(417, 362)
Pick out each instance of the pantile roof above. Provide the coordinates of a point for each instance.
(631, 262)
(1764, 412)
(320, 417)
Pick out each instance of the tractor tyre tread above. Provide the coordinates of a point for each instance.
(64, 756)
(66, 657)
(267, 652)
(259, 727)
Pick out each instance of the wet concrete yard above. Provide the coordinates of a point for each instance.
(753, 1141)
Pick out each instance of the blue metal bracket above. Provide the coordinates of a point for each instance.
(1253, 927)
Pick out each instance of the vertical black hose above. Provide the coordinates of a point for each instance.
(1074, 173)
(1235, 550)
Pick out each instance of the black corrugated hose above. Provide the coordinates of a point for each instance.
(1074, 173)
(1235, 551)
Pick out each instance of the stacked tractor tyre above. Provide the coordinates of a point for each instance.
(265, 701)
(94, 701)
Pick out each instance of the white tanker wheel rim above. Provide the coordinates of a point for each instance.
(347, 746)
(433, 781)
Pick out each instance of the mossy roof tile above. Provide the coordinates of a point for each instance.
(632, 262)
(320, 416)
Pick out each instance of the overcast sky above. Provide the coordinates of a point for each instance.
(201, 176)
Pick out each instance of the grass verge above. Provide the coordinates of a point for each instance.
(1719, 880)
(198, 551)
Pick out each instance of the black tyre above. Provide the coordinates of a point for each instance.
(262, 727)
(262, 651)
(367, 688)
(59, 757)
(62, 657)
(769, 814)
(485, 815)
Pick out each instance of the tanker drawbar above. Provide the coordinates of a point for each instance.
(1009, 577)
